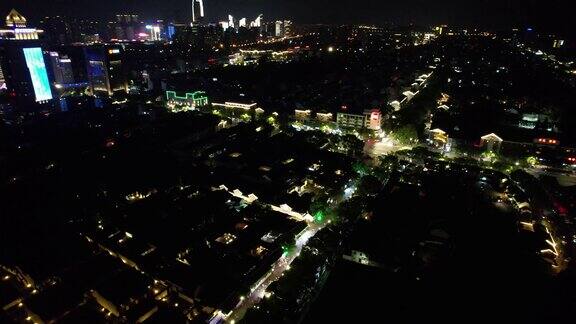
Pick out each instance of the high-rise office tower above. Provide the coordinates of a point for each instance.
(24, 71)
(283, 28)
(197, 11)
(15, 20)
(278, 29)
(224, 25)
(105, 70)
(22, 62)
(256, 22)
(287, 28)
(62, 69)
(231, 21)
(242, 22)
(17, 28)
(2, 80)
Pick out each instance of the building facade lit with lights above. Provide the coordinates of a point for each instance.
(197, 11)
(22, 62)
(194, 99)
(105, 69)
(17, 29)
(371, 119)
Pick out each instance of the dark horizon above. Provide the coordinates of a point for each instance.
(548, 16)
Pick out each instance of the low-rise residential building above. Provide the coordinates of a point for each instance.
(371, 119)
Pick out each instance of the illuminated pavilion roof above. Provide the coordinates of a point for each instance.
(15, 19)
(492, 136)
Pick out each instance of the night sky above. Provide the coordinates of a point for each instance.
(544, 15)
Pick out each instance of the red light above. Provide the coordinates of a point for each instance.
(344, 107)
(547, 141)
(110, 143)
(560, 208)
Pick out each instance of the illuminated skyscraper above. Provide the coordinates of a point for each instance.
(22, 62)
(15, 19)
(62, 69)
(24, 71)
(257, 22)
(2, 80)
(105, 70)
(197, 10)
(242, 22)
(282, 28)
(287, 28)
(17, 28)
(558, 43)
(278, 29)
(231, 21)
(154, 32)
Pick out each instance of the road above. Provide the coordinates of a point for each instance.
(383, 145)
(278, 269)
(283, 264)
(565, 179)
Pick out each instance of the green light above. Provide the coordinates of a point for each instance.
(319, 216)
(199, 98)
(360, 168)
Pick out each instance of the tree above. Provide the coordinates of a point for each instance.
(360, 168)
(406, 134)
(369, 185)
(320, 203)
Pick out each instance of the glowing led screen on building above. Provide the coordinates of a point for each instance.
(38, 74)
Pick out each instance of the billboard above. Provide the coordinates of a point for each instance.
(38, 74)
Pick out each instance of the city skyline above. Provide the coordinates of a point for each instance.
(485, 14)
